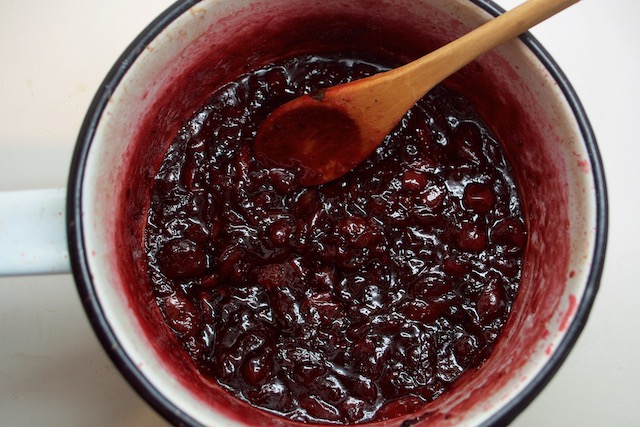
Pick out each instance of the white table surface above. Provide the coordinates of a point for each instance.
(53, 56)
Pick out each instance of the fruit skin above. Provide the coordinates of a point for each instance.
(354, 301)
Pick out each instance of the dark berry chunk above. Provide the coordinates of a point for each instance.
(210, 280)
(323, 309)
(492, 302)
(467, 142)
(279, 233)
(182, 259)
(456, 267)
(325, 279)
(319, 409)
(359, 231)
(232, 265)
(413, 181)
(432, 196)
(509, 232)
(180, 313)
(286, 308)
(473, 237)
(464, 348)
(424, 311)
(363, 389)
(272, 395)
(308, 372)
(478, 197)
(271, 276)
(353, 409)
(257, 370)
(352, 228)
(330, 389)
(282, 180)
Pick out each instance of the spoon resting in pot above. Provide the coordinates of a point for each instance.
(326, 134)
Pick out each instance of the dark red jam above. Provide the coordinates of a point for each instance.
(353, 301)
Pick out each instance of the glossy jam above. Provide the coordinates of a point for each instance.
(354, 301)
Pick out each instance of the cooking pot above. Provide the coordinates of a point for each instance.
(195, 46)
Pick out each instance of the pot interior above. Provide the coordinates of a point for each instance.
(180, 63)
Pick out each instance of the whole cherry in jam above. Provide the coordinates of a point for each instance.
(353, 301)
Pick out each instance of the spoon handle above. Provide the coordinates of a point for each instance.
(431, 69)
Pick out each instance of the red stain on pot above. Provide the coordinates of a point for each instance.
(568, 315)
(584, 165)
(549, 350)
(184, 88)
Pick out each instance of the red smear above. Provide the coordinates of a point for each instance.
(573, 303)
(584, 166)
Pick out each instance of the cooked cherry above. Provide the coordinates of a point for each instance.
(279, 233)
(257, 369)
(424, 311)
(492, 302)
(307, 372)
(509, 231)
(473, 237)
(180, 313)
(478, 197)
(413, 180)
(271, 276)
(319, 409)
(182, 259)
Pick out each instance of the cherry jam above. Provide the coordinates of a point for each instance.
(358, 300)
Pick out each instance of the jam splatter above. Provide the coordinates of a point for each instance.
(573, 304)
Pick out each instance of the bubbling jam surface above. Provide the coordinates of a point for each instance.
(354, 301)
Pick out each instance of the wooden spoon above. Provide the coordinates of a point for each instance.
(326, 134)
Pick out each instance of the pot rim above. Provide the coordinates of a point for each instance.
(110, 342)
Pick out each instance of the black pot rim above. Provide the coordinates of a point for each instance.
(110, 341)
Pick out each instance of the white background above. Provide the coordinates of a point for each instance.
(53, 56)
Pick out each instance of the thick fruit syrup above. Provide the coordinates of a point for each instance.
(358, 300)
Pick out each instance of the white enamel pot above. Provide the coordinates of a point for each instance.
(537, 116)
